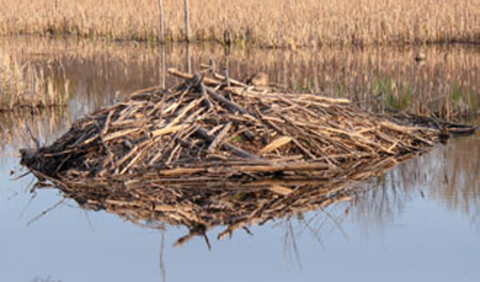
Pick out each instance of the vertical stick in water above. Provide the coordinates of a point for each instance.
(188, 61)
(164, 67)
(162, 24)
(187, 22)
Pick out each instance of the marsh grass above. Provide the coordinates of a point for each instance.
(392, 94)
(457, 103)
(271, 23)
(22, 85)
(462, 100)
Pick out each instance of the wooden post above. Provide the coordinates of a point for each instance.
(187, 22)
(162, 23)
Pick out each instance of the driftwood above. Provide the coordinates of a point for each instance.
(203, 154)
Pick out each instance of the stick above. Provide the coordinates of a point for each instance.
(162, 26)
(219, 138)
(206, 80)
(187, 22)
(230, 105)
(239, 152)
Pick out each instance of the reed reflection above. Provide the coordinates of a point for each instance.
(29, 129)
(448, 175)
(445, 80)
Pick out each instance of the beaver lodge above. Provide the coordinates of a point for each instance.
(215, 151)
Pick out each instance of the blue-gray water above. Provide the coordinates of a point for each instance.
(421, 222)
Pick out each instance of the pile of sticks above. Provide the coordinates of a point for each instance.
(216, 151)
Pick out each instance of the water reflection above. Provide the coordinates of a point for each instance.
(443, 184)
(449, 175)
(99, 70)
(26, 129)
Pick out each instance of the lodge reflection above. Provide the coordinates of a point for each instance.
(448, 176)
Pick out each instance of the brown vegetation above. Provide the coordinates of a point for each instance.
(287, 23)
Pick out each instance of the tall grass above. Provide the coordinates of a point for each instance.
(271, 23)
(24, 86)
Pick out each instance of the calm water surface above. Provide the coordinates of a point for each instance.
(419, 222)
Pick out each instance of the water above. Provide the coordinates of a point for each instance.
(420, 222)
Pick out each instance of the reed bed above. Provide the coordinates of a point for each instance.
(270, 23)
(216, 151)
(25, 86)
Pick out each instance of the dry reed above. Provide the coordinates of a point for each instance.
(272, 23)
